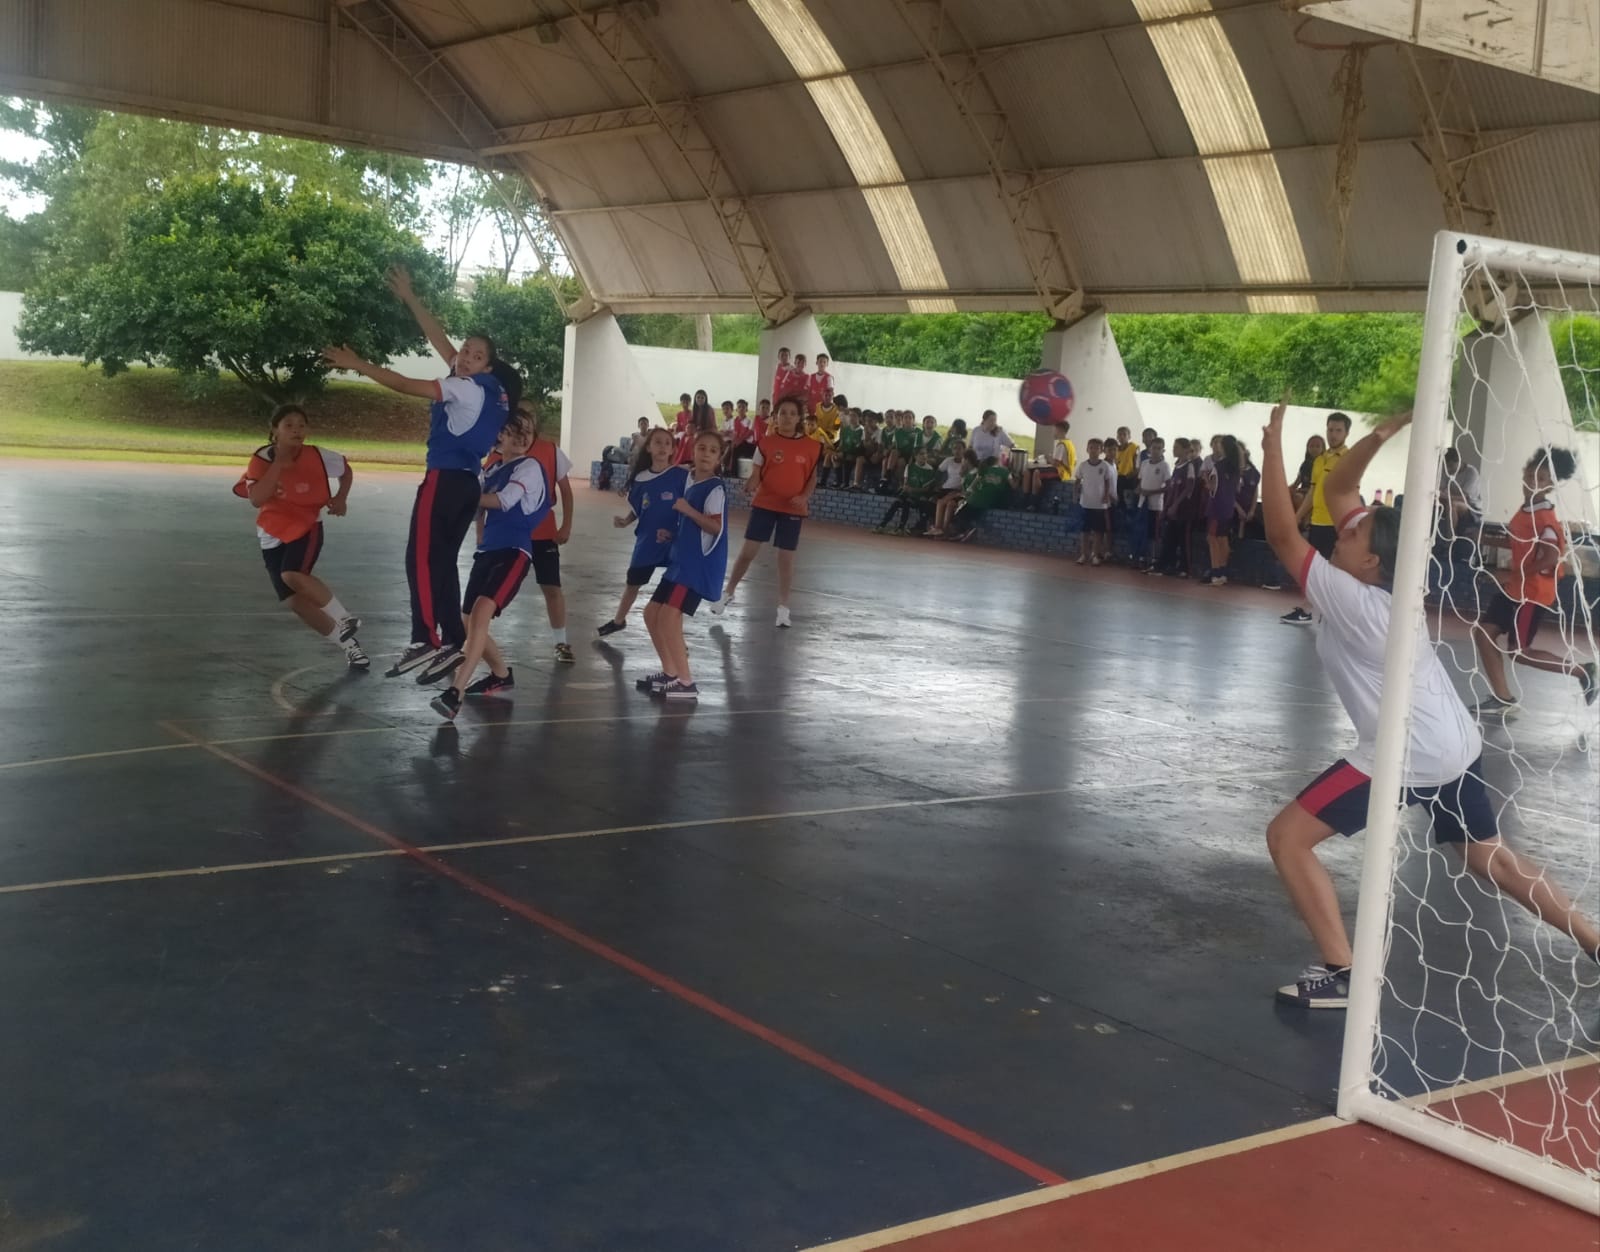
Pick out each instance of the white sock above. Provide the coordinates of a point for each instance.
(335, 610)
(560, 632)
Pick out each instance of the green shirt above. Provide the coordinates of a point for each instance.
(905, 441)
(992, 487)
(932, 440)
(968, 480)
(920, 478)
(850, 438)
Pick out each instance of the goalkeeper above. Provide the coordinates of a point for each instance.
(1349, 593)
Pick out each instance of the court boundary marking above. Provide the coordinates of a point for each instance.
(1446, 1095)
(790, 1047)
(1082, 1186)
(511, 841)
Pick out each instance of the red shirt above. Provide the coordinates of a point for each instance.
(760, 427)
(741, 431)
(302, 494)
(544, 452)
(1532, 527)
(786, 381)
(816, 385)
(788, 464)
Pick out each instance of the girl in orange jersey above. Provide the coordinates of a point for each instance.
(287, 482)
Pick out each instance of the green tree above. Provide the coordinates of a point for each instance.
(526, 325)
(1577, 344)
(218, 273)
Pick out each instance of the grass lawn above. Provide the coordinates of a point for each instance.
(53, 408)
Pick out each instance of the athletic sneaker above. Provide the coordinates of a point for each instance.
(1094, 560)
(652, 684)
(447, 704)
(1081, 559)
(1270, 586)
(1296, 616)
(447, 660)
(491, 683)
(346, 628)
(354, 657)
(783, 616)
(1493, 706)
(676, 690)
(611, 628)
(1589, 680)
(564, 654)
(1318, 988)
(417, 654)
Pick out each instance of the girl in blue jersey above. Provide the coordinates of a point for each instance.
(694, 573)
(515, 498)
(654, 487)
(469, 408)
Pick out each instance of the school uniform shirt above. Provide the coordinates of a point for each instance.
(759, 426)
(992, 486)
(1320, 469)
(1065, 453)
(651, 497)
(1154, 476)
(1530, 527)
(1182, 497)
(932, 441)
(920, 479)
(524, 502)
(464, 421)
(987, 443)
(553, 461)
(816, 384)
(303, 492)
(1127, 460)
(787, 467)
(786, 381)
(851, 440)
(828, 421)
(1249, 488)
(741, 431)
(699, 561)
(951, 469)
(1097, 484)
(1352, 636)
(907, 440)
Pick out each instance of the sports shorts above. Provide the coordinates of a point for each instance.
(676, 596)
(783, 529)
(1518, 619)
(496, 576)
(297, 557)
(547, 562)
(1458, 810)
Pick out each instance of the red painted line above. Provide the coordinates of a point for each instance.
(732, 1017)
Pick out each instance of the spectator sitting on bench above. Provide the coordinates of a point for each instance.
(921, 486)
(1060, 466)
(988, 488)
(952, 467)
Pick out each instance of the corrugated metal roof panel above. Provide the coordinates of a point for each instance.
(1522, 175)
(830, 242)
(969, 228)
(776, 140)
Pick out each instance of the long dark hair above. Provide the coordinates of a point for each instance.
(1229, 460)
(506, 374)
(702, 416)
(642, 458)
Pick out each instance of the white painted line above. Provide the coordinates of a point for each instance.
(96, 756)
(1496, 1081)
(283, 702)
(1082, 1186)
(197, 871)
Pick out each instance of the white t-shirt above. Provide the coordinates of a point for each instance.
(1097, 484)
(952, 473)
(987, 443)
(1466, 483)
(1353, 630)
(1154, 475)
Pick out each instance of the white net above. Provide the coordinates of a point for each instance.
(1488, 1023)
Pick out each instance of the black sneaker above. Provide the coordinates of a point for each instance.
(447, 703)
(565, 655)
(1318, 988)
(491, 683)
(417, 654)
(652, 684)
(347, 628)
(354, 657)
(1296, 616)
(444, 663)
(611, 628)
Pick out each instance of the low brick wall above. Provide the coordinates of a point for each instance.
(1056, 529)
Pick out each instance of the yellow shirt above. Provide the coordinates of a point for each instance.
(828, 421)
(1319, 471)
(1127, 460)
(1068, 457)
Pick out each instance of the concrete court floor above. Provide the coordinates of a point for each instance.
(954, 889)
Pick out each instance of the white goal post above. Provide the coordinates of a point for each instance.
(1463, 267)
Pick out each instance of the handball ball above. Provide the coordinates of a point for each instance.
(1046, 397)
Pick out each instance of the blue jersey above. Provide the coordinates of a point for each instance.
(651, 497)
(465, 421)
(699, 561)
(524, 503)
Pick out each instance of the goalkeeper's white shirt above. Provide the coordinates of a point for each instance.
(1352, 632)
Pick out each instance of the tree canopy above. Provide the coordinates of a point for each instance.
(217, 273)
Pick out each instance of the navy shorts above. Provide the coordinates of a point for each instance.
(1458, 810)
(783, 529)
(1519, 620)
(639, 575)
(496, 576)
(676, 596)
(298, 557)
(1097, 521)
(547, 562)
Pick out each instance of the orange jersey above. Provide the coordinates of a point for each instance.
(787, 467)
(1535, 532)
(302, 494)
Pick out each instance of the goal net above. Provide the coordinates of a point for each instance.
(1474, 1027)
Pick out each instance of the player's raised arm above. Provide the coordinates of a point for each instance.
(399, 280)
(345, 358)
(1342, 488)
(1280, 520)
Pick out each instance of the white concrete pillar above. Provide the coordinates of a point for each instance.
(798, 334)
(702, 332)
(1103, 398)
(1509, 401)
(603, 392)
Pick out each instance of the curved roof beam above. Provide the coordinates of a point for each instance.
(616, 33)
(1223, 117)
(1017, 181)
(866, 150)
